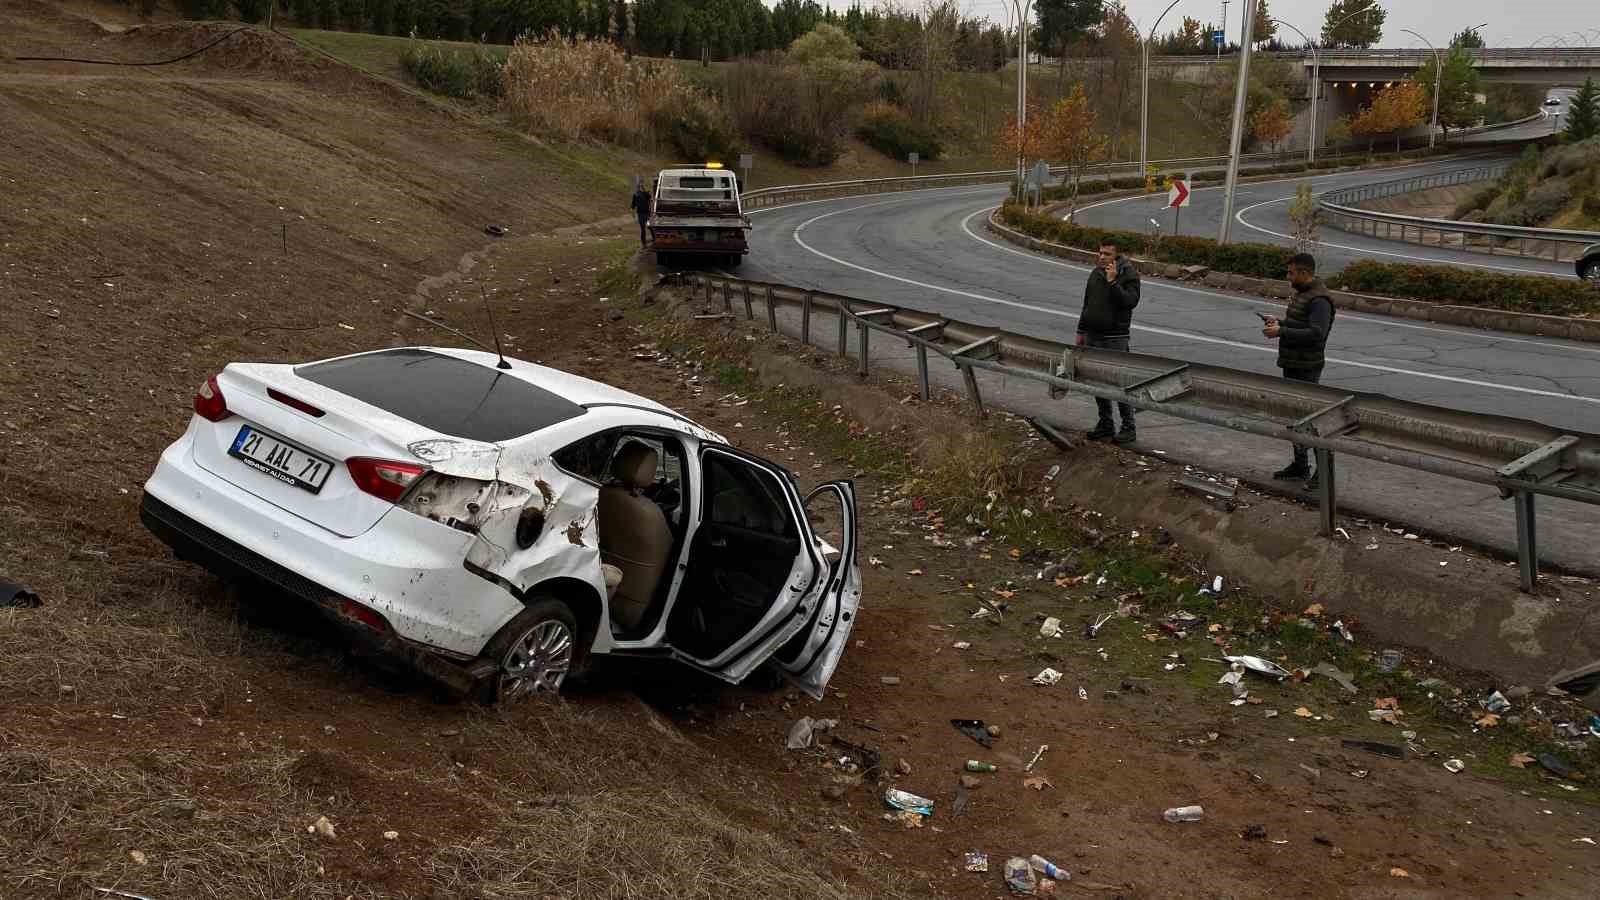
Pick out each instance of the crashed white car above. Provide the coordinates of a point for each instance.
(495, 526)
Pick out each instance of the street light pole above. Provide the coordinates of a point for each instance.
(1438, 79)
(1022, 7)
(1240, 95)
(1316, 85)
(1144, 94)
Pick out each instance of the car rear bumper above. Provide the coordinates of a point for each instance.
(406, 568)
(699, 247)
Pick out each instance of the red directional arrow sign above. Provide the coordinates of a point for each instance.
(1178, 194)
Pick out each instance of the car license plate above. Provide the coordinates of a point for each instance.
(280, 459)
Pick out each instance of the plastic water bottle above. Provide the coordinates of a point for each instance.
(1040, 864)
(1184, 814)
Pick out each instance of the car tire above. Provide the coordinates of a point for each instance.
(665, 260)
(534, 653)
(1591, 271)
(734, 259)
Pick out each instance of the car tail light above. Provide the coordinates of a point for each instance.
(366, 615)
(209, 403)
(732, 234)
(289, 401)
(382, 478)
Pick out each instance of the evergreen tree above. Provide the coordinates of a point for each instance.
(1583, 115)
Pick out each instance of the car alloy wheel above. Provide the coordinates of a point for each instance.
(1592, 273)
(537, 661)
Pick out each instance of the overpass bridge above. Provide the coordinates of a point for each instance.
(1533, 65)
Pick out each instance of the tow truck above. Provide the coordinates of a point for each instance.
(695, 212)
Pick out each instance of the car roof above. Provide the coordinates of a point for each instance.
(575, 388)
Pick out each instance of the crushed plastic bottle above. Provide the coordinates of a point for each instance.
(908, 802)
(1020, 877)
(1184, 814)
(974, 765)
(1048, 868)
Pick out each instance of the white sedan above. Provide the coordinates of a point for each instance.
(495, 526)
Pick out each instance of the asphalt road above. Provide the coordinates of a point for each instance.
(1261, 215)
(1553, 118)
(929, 250)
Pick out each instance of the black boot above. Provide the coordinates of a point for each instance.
(1102, 431)
(1127, 435)
(1314, 482)
(1294, 471)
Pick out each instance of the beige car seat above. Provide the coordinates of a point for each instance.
(634, 535)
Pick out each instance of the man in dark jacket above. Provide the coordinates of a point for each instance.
(1301, 336)
(1108, 302)
(641, 208)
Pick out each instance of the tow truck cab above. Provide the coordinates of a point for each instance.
(696, 212)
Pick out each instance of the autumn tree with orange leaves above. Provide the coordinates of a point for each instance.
(1014, 145)
(1072, 138)
(1271, 123)
(1394, 109)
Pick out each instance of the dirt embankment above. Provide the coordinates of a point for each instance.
(1434, 203)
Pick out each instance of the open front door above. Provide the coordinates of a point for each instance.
(810, 657)
(755, 572)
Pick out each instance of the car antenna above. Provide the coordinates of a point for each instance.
(438, 324)
(502, 364)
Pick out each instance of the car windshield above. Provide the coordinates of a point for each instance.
(449, 395)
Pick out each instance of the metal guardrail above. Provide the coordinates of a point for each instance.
(1519, 457)
(1513, 240)
(1544, 54)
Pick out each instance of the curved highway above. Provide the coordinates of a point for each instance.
(929, 250)
(1261, 215)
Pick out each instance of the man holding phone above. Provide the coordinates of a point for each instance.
(1108, 302)
(1301, 335)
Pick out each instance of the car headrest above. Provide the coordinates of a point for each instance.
(635, 466)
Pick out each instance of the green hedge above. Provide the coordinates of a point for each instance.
(1468, 287)
(895, 135)
(1259, 260)
(1435, 284)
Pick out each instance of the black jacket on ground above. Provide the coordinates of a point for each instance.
(1304, 329)
(1108, 306)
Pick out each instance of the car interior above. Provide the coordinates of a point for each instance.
(642, 518)
(739, 560)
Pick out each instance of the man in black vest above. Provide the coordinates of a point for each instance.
(1301, 336)
(641, 209)
(1108, 302)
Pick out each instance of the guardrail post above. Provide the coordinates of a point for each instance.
(705, 280)
(805, 318)
(862, 332)
(971, 378)
(772, 309)
(1527, 541)
(922, 372)
(844, 323)
(749, 308)
(1327, 491)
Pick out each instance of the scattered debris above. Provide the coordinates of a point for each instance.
(963, 797)
(1037, 782)
(1496, 703)
(1036, 755)
(903, 800)
(1051, 627)
(1254, 833)
(1389, 660)
(1082, 694)
(1454, 766)
(1398, 872)
(138, 857)
(890, 680)
(802, 734)
(322, 828)
(1047, 677)
(1048, 869)
(974, 728)
(1303, 713)
(903, 766)
(1555, 766)
(977, 861)
(391, 835)
(962, 645)
(1329, 670)
(1261, 666)
(1184, 814)
(978, 765)
(1389, 750)
(1020, 877)
(496, 230)
(906, 818)
(17, 596)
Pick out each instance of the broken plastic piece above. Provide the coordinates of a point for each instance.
(975, 729)
(1454, 766)
(977, 861)
(1261, 666)
(1329, 670)
(802, 734)
(1047, 677)
(1554, 765)
(1051, 627)
(909, 802)
(1389, 750)
(1020, 877)
(15, 595)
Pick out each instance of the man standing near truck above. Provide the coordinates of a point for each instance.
(1108, 302)
(1301, 335)
(641, 209)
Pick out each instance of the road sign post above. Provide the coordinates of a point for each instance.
(746, 163)
(913, 157)
(1177, 199)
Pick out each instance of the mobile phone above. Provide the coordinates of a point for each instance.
(1263, 317)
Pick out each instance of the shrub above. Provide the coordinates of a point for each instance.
(1258, 260)
(455, 73)
(1539, 206)
(1209, 175)
(1129, 183)
(1478, 199)
(1591, 206)
(887, 129)
(1468, 287)
(801, 112)
(575, 89)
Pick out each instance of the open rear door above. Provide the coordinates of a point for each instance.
(755, 574)
(810, 657)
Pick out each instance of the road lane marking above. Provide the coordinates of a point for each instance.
(1165, 332)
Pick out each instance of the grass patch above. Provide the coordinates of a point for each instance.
(380, 54)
